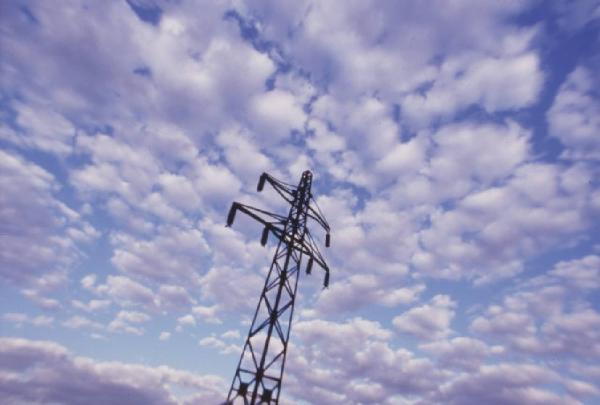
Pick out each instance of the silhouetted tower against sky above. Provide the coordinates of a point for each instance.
(259, 373)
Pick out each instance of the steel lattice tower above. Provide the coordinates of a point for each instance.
(259, 373)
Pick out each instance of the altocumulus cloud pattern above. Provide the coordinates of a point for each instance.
(455, 147)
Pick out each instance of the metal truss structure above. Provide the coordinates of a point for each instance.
(259, 373)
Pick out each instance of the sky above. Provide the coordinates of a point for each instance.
(455, 147)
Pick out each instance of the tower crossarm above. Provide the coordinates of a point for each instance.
(261, 216)
(319, 218)
(302, 243)
(309, 247)
(286, 191)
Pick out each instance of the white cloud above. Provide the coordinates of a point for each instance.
(231, 334)
(207, 313)
(582, 273)
(231, 288)
(532, 207)
(356, 357)
(365, 289)
(386, 234)
(404, 158)
(57, 376)
(88, 281)
(491, 151)
(116, 167)
(460, 352)
(39, 127)
(494, 83)
(92, 305)
(19, 319)
(549, 315)
(428, 321)
(78, 322)
(360, 122)
(216, 183)
(220, 345)
(35, 224)
(171, 255)
(174, 296)
(358, 48)
(127, 292)
(202, 62)
(125, 321)
(38, 297)
(503, 383)
(581, 389)
(186, 320)
(180, 191)
(574, 117)
(243, 154)
(274, 114)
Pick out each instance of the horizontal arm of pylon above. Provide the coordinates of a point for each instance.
(312, 251)
(318, 218)
(286, 191)
(259, 215)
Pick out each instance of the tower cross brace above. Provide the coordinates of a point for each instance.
(259, 373)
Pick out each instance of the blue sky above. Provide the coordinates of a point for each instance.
(455, 148)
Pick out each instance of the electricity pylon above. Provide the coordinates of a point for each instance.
(259, 372)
